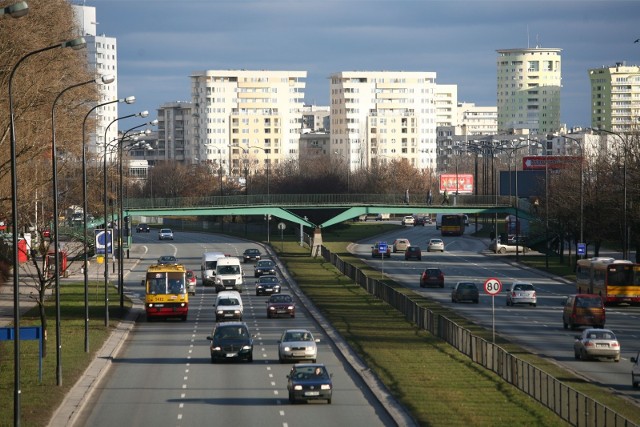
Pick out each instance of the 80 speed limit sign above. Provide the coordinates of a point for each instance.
(492, 286)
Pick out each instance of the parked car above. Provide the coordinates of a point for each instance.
(583, 310)
(251, 254)
(231, 341)
(596, 343)
(375, 251)
(435, 245)
(635, 371)
(264, 267)
(267, 285)
(400, 245)
(432, 277)
(309, 381)
(143, 228)
(167, 259)
(413, 252)
(165, 234)
(408, 220)
(191, 282)
(297, 344)
(522, 293)
(503, 248)
(465, 291)
(281, 305)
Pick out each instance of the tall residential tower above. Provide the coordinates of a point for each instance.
(615, 97)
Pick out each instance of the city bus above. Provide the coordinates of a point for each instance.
(166, 292)
(452, 225)
(616, 281)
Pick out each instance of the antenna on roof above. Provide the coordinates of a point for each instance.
(527, 36)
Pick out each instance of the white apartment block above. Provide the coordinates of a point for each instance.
(446, 101)
(102, 54)
(316, 118)
(528, 90)
(247, 119)
(615, 97)
(475, 120)
(380, 116)
(174, 141)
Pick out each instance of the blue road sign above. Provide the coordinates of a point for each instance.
(382, 247)
(582, 248)
(104, 239)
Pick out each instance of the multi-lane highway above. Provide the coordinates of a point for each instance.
(538, 329)
(164, 375)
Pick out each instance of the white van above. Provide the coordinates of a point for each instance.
(228, 306)
(438, 221)
(228, 274)
(208, 267)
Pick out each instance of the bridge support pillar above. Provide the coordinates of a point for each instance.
(317, 242)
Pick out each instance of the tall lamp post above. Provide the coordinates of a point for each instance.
(106, 216)
(266, 152)
(85, 208)
(106, 79)
(625, 237)
(77, 43)
(580, 146)
(348, 170)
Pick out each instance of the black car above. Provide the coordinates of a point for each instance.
(143, 228)
(309, 381)
(167, 259)
(267, 285)
(264, 267)
(251, 255)
(413, 252)
(231, 341)
(465, 291)
(422, 220)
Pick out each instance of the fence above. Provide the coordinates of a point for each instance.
(568, 403)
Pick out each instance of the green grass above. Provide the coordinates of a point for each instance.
(39, 401)
(437, 384)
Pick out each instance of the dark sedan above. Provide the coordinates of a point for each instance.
(267, 285)
(413, 252)
(143, 228)
(251, 254)
(432, 277)
(465, 291)
(231, 341)
(309, 381)
(264, 267)
(281, 305)
(167, 259)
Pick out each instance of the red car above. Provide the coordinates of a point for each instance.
(432, 277)
(281, 305)
(191, 282)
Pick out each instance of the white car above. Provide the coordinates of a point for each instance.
(522, 293)
(296, 345)
(408, 220)
(435, 245)
(165, 234)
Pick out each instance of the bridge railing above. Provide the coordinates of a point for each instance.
(311, 200)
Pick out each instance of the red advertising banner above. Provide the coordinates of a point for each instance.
(550, 162)
(461, 183)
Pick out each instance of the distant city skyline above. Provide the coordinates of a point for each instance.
(161, 42)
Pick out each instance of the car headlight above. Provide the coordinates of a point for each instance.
(216, 348)
(297, 387)
(219, 312)
(246, 347)
(287, 348)
(290, 307)
(325, 387)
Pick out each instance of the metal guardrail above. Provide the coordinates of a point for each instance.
(569, 404)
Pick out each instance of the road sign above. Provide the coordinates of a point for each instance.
(492, 286)
(582, 248)
(282, 226)
(382, 247)
(104, 239)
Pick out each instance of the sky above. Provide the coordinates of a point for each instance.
(162, 42)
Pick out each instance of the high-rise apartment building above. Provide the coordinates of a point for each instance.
(379, 116)
(247, 119)
(476, 120)
(528, 90)
(102, 54)
(446, 101)
(615, 97)
(174, 138)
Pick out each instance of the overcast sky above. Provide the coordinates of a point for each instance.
(161, 42)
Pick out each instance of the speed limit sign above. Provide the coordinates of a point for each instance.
(492, 286)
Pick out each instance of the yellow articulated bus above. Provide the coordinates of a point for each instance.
(166, 292)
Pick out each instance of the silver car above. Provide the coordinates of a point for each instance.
(596, 343)
(296, 345)
(435, 245)
(522, 293)
(165, 234)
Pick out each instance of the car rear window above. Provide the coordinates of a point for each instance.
(588, 302)
(433, 272)
(523, 288)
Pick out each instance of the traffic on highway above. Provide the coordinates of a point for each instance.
(535, 324)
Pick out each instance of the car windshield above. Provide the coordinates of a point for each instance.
(297, 336)
(265, 264)
(251, 251)
(268, 280)
(228, 301)
(310, 372)
(229, 269)
(231, 333)
(280, 299)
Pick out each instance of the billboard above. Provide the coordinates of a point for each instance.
(462, 183)
(550, 162)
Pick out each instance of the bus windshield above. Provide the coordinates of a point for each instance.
(166, 283)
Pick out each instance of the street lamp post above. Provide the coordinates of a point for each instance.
(348, 170)
(77, 43)
(106, 216)
(266, 152)
(56, 256)
(85, 208)
(580, 146)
